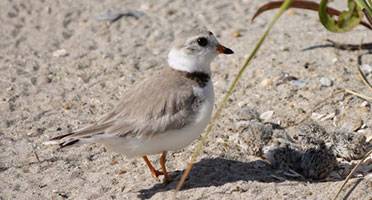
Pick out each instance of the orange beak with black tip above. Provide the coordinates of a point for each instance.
(224, 50)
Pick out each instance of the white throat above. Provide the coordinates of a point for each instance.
(189, 63)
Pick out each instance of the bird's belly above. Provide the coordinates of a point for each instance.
(168, 141)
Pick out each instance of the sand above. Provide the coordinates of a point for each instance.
(61, 69)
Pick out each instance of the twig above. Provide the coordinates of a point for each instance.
(352, 172)
(369, 17)
(34, 152)
(358, 94)
(112, 17)
(350, 47)
(361, 75)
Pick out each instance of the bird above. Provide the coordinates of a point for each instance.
(166, 111)
(318, 163)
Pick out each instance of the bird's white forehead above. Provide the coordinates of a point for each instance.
(185, 37)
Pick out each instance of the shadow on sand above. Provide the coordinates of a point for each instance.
(214, 172)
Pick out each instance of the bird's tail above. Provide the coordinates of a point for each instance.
(61, 136)
(66, 143)
(84, 133)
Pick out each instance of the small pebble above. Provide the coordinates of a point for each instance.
(214, 68)
(66, 107)
(145, 6)
(60, 53)
(220, 140)
(259, 73)
(266, 82)
(236, 34)
(324, 81)
(94, 101)
(305, 88)
(122, 171)
(114, 162)
(291, 12)
(170, 12)
(368, 161)
(299, 83)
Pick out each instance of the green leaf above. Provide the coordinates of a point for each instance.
(364, 4)
(346, 21)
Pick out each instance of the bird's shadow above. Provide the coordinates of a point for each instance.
(216, 172)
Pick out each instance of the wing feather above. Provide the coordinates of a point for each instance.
(157, 105)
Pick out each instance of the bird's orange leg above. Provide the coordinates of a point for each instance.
(153, 171)
(162, 163)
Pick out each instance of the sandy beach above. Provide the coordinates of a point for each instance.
(61, 69)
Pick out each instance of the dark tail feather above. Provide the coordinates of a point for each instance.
(68, 143)
(87, 132)
(61, 136)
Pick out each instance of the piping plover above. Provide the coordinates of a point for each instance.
(166, 111)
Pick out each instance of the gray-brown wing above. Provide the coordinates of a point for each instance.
(154, 107)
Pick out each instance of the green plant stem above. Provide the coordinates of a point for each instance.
(364, 4)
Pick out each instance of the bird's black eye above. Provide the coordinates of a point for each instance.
(202, 41)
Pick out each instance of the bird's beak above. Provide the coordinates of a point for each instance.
(224, 50)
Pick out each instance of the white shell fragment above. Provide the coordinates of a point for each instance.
(366, 68)
(317, 116)
(329, 116)
(265, 116)
(364, 104)
(47, 143)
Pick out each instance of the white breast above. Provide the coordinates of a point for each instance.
(171, 140)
